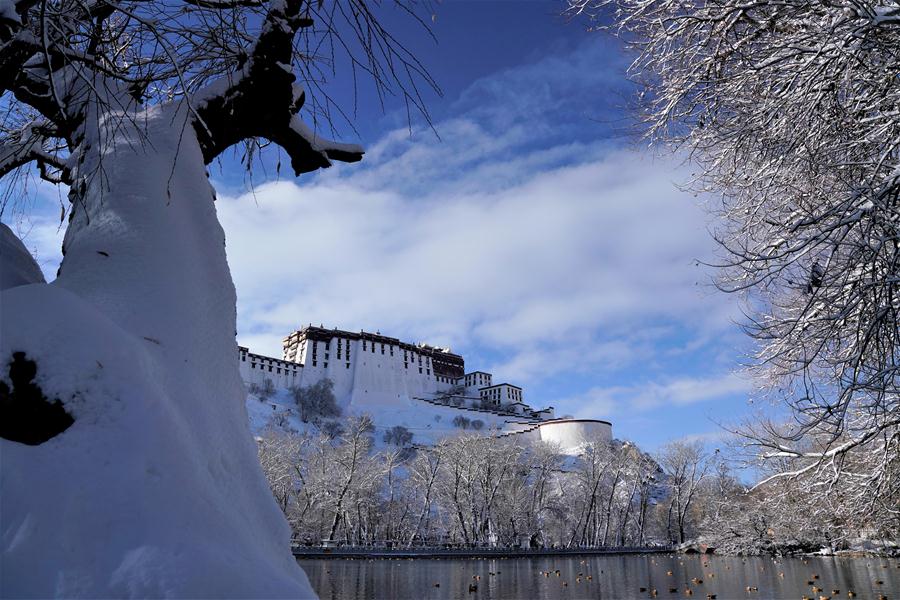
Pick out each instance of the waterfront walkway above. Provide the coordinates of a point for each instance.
(437, 552)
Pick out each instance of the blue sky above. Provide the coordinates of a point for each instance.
(531, 236)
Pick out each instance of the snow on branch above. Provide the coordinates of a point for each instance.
(325, 147)
(236, 63)
(262, 99)
(30, 144)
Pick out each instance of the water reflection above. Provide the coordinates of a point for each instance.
(605, 577)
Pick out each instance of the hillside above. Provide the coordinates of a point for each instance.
(428, 422)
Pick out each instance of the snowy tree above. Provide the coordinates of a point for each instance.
(316, 401)
(331, 428)
(685, 466)
(474, 490)
(590, 475)
(351, 459)
(398, 435)
(127, 103)
(461, 422)
(545, 462)
(278, 454)
(264, 390)
(789, 112)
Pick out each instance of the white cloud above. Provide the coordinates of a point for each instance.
(653, 395)
(552, 263)
(709, 437)
(515, 234)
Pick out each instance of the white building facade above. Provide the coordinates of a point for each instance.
(502, 394)
(371, 369)
(256, 369)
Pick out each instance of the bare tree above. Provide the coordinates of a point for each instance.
(277, 456)
(352, 454)
(685, 466)
(316, 401)
(398, 435)
(590, 474)
(461, 422)
(262, 391)
(788, 110)
(423, 474)
(331, 428)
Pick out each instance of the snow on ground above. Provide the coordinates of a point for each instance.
(427, 422)
(155, 490)
(17, 267)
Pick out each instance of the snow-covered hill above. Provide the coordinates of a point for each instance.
(428, 422)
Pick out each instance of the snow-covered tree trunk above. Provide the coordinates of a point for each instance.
(155, 489)
(127, 463)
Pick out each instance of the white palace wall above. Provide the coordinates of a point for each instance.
(377, 374)
(363, 373)
(255, 369)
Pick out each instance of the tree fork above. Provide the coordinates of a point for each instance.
(262, 100)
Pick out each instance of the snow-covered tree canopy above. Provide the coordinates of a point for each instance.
(245, 68)
(789, 110)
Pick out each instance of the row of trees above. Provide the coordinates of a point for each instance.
(476, 490)
(473, 489)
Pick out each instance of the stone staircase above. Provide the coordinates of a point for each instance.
(499, 413)
(517, 432)
(520, 419)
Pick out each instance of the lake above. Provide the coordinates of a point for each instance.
(605, 577)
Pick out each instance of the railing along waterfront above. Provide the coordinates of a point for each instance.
(349, 551)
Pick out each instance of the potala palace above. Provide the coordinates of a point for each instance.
(419, 386)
